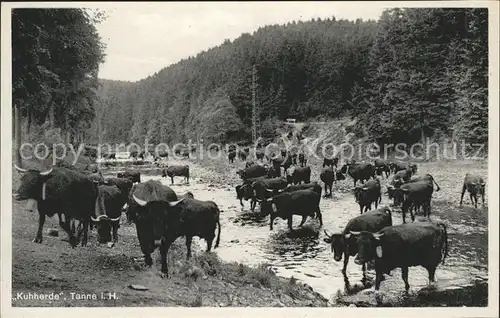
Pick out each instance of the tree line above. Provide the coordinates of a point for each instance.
(413, 74)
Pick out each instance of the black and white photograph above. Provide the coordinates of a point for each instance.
(307, 156)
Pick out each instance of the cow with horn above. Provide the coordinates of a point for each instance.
(68, 193)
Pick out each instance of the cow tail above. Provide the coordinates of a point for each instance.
(445, 241)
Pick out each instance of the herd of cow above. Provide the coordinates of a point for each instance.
(84, 199)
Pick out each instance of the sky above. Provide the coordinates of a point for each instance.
(143, 38)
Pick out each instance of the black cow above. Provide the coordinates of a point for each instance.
(283, 153)
(134, 176)
(359, 171)
(254, 171)
(415, 194)
(259, 155)
(242, 155)
(398, 166)
(368, 193)
(344, 243)
(475, 185)
(302, 159)
(416, 244)
(133, 154)
(263, 187)
(316, 187)
(176, 171)
(299, 175)
(330, 162)
(398, 195)
(274, 172)
(109, 205)
(185, 153)
(301, 202)
(231, 155)
(161, 154)
(328, 176)
(151, 190)
(246, 192)
(382, 166)
(286, 163)
(187, 217)
(63, 191)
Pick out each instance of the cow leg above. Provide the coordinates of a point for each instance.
(85, 232)
(304, 218)
(189, 240)
(462, 196)
(473, 200)
(241, 202)
(346, 260)
(41, 222)
(164, 247)
(271, 223)
(432, 273)
(172, 180)
(378, 278)
(290, 222)
(253, 203)
(320, 216)
(412, 214)
(404, 274)
(115, 226)
(363, 269)
(482, 196)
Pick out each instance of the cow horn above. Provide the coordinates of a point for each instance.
(390, 187)
(115, 219)
(103, 216)
(20, 169)
(365, 188)
(377, 236)
(269, 191)
(45, 173)
(139, 201)
(174, 203)
(327, 235)
(474, 183)
(482, 183)
(269, 200)
(354, 232)
(347, 236)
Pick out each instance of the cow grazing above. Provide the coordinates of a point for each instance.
(176, 171)
(382, 166)
(186, 217)
(134, 176)
(475, 185)
(330, 162)
(368, 193)
(359, 171)
(316, 187)
(344, 243)
(300, 175)
(301, 202)
(60, 191)
(302, 160)
(151, 190)
(246, 192)
(263, 188)
(231, 155)
(254, 171)
(109, 203)
(406, 245)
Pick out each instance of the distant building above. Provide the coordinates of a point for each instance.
(291, 120)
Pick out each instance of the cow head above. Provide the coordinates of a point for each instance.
(241, 173)
(339, 175)
(413, 168)
(156, 218)
(267, 206)
(102, 220)
(368, 246)
(289, 179)
(33, 185)
(338, 243)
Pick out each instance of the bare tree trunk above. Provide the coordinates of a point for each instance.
(17, 115)
(51, 115)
